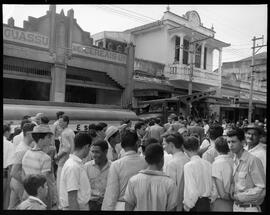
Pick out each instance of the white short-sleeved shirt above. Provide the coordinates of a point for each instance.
(222, 169)
(74, 177)
(198, 180)
(17, 139)
(259, 151)
(151, 190)
(167, 158)
(8, 153)
(66, 144)
(175, 170)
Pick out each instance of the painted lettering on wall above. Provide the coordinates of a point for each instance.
(98, 53)
(30, 38)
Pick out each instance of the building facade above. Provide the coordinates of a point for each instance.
(175, 43)
(52, 59)
(236, 87)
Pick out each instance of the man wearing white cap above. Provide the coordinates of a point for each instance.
(113, 140)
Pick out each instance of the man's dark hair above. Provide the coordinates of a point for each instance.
(221, 145)
(101, 125)
(98, 127)
(152, 122)
(38, 136)
(44, 120)
(28, 127)
(215, 131)
(92, 126)
(6, 127)
(175, 118)
(59, 114)
(154, 153)
(157, 120)
(26, 117)
(129, 139)
(81, 139)
(114, 135)
(191, 144)
(138, 125)
(24, 121)
(102, 144)
(176, 138)
(239, 133)
(65, 118)
(148, 142)
(181, 117)
(32, 182)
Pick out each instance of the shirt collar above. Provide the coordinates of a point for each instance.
(153, 172)
(195, 157)
(179, 153)
(222, 156)
(258, 146)
(106, 165)
(38, 200)
(129, 153)
(75, 158)
(243, 156)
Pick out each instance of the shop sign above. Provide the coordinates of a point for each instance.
(98, 53)
(25, 37)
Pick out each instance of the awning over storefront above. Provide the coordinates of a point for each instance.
(145, 85)
(217, 100)
(183, 98)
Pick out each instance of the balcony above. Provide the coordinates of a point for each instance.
(182, 72)
(148, 67)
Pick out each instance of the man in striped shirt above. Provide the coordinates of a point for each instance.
(36, 160)
(16, 183)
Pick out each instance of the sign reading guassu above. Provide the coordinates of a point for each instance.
(25, 37)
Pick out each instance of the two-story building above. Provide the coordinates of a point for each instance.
(183, 48)
(236, 87)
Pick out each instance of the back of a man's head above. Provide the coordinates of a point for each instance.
(191, 144)
(154, 154)
(215, 131)
(28, 127)
(175, 138)
(138, 125)
(81, 139)
(129, 139)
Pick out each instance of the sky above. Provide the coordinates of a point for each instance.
(234, 24)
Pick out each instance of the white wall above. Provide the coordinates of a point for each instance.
(151, 46)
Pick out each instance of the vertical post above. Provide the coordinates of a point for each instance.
(192, 48)
(251, 84)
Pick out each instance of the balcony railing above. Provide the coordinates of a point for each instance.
(182, 72)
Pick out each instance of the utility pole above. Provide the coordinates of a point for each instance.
(252, 75)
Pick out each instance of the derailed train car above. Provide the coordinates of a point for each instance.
(80, 115)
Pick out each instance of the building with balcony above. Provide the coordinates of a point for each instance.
(236, 87)
(52, 59)
(175, 42)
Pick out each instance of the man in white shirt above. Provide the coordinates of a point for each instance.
(8, 160)
(197, 178)
(97, 171)
(121, 171)
(66, 147)
(175, 167)
(113, 139)
(156, 131)
(211, 153)
(254, 147)
(18, 138)
(75, 189)
(151, 189)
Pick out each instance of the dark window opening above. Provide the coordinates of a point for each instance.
(80, 94)
(205, 57)
(198, 56)
(185, 52)
(27, 90)
(177, 49)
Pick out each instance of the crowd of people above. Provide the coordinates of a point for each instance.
(187, 164)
